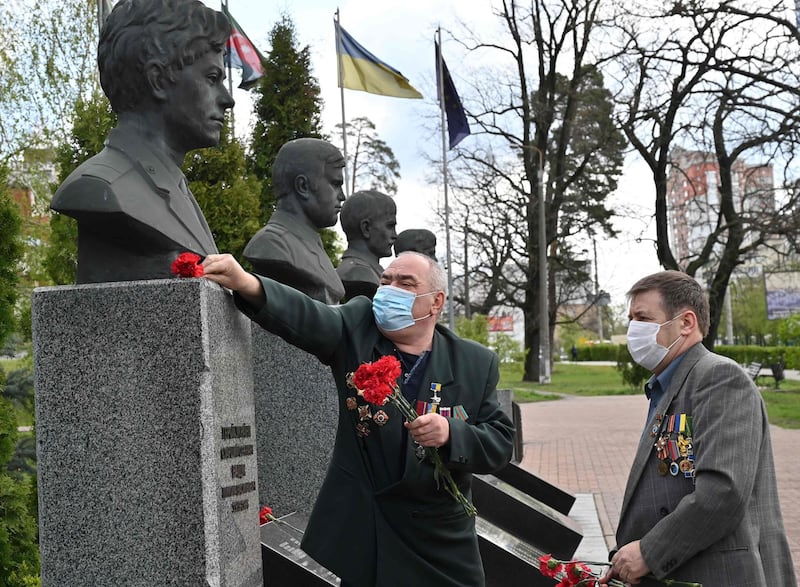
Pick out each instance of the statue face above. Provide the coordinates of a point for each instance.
(194, 110)
(382, 234)
(326, 197)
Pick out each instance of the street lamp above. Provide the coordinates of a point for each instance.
(544, 318)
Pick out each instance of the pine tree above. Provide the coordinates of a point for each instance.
(287, 106)
(93, 119)
(10, 251)
(227, 195)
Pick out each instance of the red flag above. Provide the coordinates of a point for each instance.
(242, 54)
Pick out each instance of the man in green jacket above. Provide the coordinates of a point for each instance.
(381, 518)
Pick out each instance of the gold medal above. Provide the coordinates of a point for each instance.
(663, 468)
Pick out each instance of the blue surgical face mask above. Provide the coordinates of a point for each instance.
(392, 305)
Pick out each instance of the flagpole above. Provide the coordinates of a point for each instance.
(440, 89)
(341, 94)
(230, 81)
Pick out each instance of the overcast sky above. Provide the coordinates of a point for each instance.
(401, 33)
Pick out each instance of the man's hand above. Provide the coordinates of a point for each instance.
(226, 271)
(627, 565)
(430, 430)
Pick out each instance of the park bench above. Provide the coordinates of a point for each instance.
(777, 374)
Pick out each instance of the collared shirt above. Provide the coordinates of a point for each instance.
(656, 386)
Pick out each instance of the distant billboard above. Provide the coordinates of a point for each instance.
(783, 293)
(501, 324)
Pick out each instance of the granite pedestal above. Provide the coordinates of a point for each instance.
(145, 436)
(296, 421)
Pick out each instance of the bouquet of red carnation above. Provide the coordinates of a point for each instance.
(377, 383)
(187, 265)
(580, 573)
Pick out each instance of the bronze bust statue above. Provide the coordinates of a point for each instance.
(368, 219)
(419, 240)
(307, 177)
(160, 65)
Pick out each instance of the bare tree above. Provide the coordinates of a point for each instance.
(718, 78)
(543, 122)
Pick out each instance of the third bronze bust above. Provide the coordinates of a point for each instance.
(368, 219)
(419, 240)
(160, 65)
(307, 177)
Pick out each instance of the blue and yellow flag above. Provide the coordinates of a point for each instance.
(361, 70)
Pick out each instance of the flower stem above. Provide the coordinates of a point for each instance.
(441, 472)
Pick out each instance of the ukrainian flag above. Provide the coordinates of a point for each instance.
(361, 70)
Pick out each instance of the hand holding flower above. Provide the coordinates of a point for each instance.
(430, 430)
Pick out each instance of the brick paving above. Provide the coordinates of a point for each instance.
(587, 444)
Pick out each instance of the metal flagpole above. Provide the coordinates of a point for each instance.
(440, 79)
(341, 94)
(230, 83)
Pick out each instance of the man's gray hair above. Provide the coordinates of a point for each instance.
(436, 276)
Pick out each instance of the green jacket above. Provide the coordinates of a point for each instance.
(370, 525)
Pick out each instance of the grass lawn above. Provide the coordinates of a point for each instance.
(9, 365)
(565, 378)
(783, 405)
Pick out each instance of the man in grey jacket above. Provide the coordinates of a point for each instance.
(701, 502)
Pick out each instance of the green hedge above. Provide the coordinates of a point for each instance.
(597, 352)
(766, 355)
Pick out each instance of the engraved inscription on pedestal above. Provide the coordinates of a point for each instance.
(235, 468)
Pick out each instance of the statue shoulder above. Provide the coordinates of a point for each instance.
(90, 185)
(273, 241)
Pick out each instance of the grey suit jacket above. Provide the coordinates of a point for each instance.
(726, 528)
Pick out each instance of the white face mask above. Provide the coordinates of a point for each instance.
(644, 347)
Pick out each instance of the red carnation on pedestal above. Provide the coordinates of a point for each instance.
(187, 265)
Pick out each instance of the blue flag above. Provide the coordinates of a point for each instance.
(457, 125)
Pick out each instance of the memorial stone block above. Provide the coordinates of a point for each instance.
(145, 435)
(524, 517)
(296, 421)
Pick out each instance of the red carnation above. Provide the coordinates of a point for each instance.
(377, 381)
(187, 265)
(548, 566)
(265, 514)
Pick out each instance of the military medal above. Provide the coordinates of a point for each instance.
(663, 468)
(419, 451)
(436, 388)
(380, 418)
(362, 429)
(364, 413)
(351, 403)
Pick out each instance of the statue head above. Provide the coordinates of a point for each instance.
(370, 216)
(310, 172)
(143, 39)
(419, 240)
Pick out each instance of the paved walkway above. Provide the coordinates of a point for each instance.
(585, 445)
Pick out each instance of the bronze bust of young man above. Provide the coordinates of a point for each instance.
(419, 240)
(307, 177)
(368, 220)
(161, 67)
